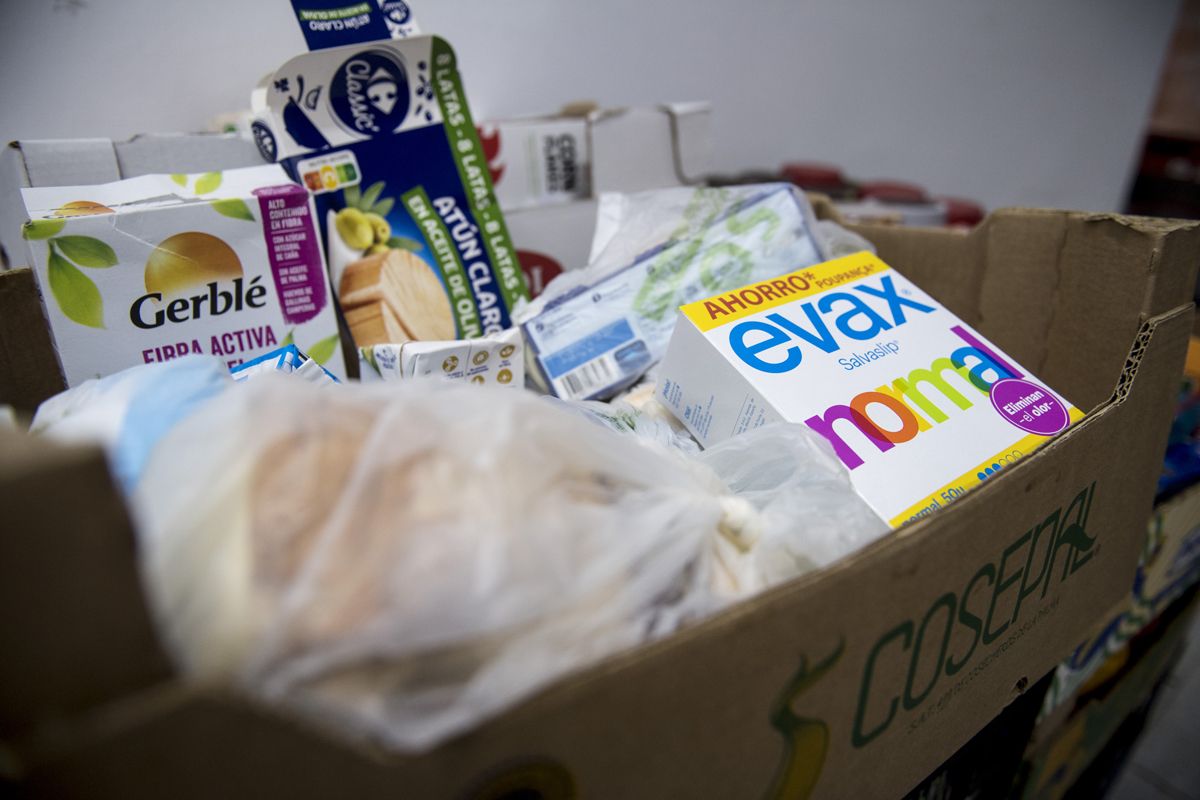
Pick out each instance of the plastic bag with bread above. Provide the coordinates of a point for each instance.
(409, 560)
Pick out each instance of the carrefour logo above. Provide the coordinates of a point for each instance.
(369, 92)
(397, 11)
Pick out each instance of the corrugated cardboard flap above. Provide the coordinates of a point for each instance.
(1053, 288)
(162, 153)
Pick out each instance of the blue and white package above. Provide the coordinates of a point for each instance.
(333, 23)
(381, 135)
(289, 360)
(612, 325)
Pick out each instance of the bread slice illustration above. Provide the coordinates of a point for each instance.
(407, 287)
(375, 323)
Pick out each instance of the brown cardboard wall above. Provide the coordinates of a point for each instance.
(853, 682)
(29, 370)
(946, 263)
(74, 627)
(1053, 288)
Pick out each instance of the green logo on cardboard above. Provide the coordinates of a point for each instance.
(1055, 548)
(1051, 551)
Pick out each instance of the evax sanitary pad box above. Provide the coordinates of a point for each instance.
(918, 406)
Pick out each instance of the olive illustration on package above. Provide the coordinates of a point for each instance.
(358, 232)
(362, 222)
(379, 227)
(354, 228)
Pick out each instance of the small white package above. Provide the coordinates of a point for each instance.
(288, 360)
(494, 359)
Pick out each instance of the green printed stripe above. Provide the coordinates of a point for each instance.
(473, 171)
(307, 14)
(454, 277)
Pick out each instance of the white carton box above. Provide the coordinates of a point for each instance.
(495, 359)
(615, 150)
(537, 161)
(918, 406)
(160, 266)
(74, 162)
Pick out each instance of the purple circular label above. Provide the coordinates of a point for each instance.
(1030, 407)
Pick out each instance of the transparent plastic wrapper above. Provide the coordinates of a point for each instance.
(594, 332)
(807, 516)
(841, 241)
(409, 560)
(644, 422)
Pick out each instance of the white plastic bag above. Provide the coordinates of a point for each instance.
(129, 411)
(808, 515)
(412, 558)
(409, 560)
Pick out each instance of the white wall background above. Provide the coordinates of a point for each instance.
(1005, 101)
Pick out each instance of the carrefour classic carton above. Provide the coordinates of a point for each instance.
(380, 133)
(160, 266)
(918, 406)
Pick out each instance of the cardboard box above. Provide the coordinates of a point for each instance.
(988, 765)
(536, 161)
(382, 136)
(619, 149)
(856, 681)
(25, 344)
(74, 162)
(156, 267)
